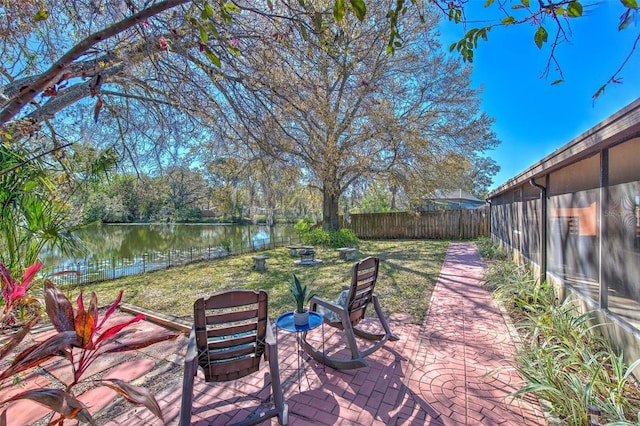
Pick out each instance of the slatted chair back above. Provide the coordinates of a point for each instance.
(345, 314)
(363, 281)
(230, 330)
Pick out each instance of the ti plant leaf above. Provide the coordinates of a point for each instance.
(59, 401)
(136, 395)
(18, 337)
(59, 308)
(38, 353)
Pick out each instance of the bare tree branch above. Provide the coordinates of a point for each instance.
(47, 78)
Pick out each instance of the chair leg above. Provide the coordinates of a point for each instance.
(187, 394)
(351, 338)
(388, 335)
(383, 320)
(276, 387)
(380, 339)
(190, 370)
(357, 355)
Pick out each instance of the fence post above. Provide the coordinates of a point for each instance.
(144, 262)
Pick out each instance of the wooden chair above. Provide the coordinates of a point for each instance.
(231, 333)
(347, 312)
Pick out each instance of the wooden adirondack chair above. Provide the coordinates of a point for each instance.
(347, 312)
(230, 335)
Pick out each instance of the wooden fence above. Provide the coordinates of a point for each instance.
(446, 224)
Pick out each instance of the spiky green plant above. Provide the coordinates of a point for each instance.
(32, 213)
(564, 359)
(300, 293)
(489, 250)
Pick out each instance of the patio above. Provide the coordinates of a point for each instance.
(433, 375)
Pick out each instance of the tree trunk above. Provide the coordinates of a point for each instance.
(393, 190)
(330, 210)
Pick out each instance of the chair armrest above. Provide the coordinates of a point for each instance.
(315, 300)
(192, 349)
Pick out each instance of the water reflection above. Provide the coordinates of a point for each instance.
(261, 240)
(128, 241)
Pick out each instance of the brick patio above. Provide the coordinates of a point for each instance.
(434, 375)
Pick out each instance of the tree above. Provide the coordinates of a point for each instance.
(473, 173)
(151, 77)
(375, 200)
(342, 110)
(69, 67)
(187, 188)
(105, 40)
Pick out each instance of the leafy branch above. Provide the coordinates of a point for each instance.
(560, 12)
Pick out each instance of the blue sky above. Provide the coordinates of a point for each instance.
(532, 117)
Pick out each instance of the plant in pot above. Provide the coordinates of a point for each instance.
(302, 295)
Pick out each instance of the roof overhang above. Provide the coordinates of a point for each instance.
(620, 127)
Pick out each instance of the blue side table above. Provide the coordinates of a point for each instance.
(285, 322)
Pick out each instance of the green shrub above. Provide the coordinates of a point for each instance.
(303, 226)
(317, 237)
(489, 249)
(332, 239)
(187, 214)
(343, 238)
(226, 244)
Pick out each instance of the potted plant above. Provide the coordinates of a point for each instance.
(302, 295)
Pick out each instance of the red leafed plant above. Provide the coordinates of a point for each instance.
(15, 293)
(81, 340)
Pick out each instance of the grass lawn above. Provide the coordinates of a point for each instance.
(408, 270)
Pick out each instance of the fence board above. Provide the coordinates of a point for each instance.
(445, 224)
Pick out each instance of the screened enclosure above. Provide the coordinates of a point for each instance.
(575, 217)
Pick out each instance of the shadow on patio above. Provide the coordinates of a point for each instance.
(434, 375)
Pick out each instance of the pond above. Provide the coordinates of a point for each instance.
(123, 249)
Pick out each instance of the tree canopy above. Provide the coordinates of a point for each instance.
(339, 90)
(57, 53)
(343, 110)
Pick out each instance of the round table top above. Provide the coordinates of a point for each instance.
(285, 322)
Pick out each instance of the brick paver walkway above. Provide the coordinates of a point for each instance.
(465, 337)
(453, 370)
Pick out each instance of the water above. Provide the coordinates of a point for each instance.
(117, 250)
